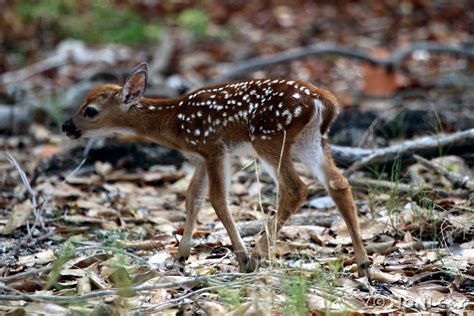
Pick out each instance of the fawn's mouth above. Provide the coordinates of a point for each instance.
(71, 130)
(74, 135)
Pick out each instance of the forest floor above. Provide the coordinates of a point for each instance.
(103, 239)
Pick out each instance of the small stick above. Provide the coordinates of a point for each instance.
(458, 180)
(363, 183)
(26, 273)
(114, 291)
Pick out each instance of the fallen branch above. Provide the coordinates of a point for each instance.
(458, 180)
(365, 183)
(67, 52)
(425, 146)
(331, 49)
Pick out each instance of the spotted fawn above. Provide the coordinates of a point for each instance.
(276, 120)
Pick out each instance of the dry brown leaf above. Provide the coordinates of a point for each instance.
(27, 284)
(103, 168)
(369, 229)
(384, 277)
(18, 217)
(241, 310)
(73, 272)
(160, 178)
(159, 296)
(213, 308)
(79, 219)
(98, 281)
(92, 179)
(301, 231)
(379, 81)
(159, 259)
(142, 244)
(84, 262)
(84, 285)
(39, 258)
(45, 309)
(59, 190)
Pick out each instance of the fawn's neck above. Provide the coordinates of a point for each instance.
(151, 118)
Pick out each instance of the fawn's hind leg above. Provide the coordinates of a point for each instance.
(291, 192)
(316, 155)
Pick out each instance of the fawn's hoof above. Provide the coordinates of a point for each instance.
(178, 264)
(245, 265)
(363, 270)
(255, 261)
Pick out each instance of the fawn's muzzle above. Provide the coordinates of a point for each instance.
(70, 129)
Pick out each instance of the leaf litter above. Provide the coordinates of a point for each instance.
(120, 231)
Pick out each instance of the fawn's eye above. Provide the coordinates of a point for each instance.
(91, 112)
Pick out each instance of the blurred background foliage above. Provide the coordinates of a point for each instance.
(96, 21)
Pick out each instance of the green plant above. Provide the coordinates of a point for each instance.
(93, 21)
(66, 253)
(195, 21)
(45, 10)
(106, 23)
(232, 297)
(296, 288)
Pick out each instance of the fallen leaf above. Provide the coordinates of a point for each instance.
(40, 258)
(384, 277)
(213, 308)
(18, 217)
(84, 285)
(159, 259)
(45, 309)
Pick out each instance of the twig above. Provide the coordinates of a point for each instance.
(26, 273)
(458, 180)
(33, 69)
(177, 300)
(331, 49)
(363, 183)
(29, 189)
(115, 291)
(419, 146)
(113, 249)
(23, 177)
(69, 52)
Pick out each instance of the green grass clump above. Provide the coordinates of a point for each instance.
(296, 288)
(194, 21)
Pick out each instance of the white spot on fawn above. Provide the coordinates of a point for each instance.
(297, 111)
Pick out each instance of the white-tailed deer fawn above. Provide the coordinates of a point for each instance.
(275, 119)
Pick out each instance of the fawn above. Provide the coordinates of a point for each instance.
(275, 119)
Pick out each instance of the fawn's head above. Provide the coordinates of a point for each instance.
(106, 106)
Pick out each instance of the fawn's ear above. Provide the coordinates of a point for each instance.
(134, 86)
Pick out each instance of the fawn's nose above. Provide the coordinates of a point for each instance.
(70, 129)
(68, 126)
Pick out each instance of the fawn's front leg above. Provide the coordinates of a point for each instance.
(218, 198)
(194, 197)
